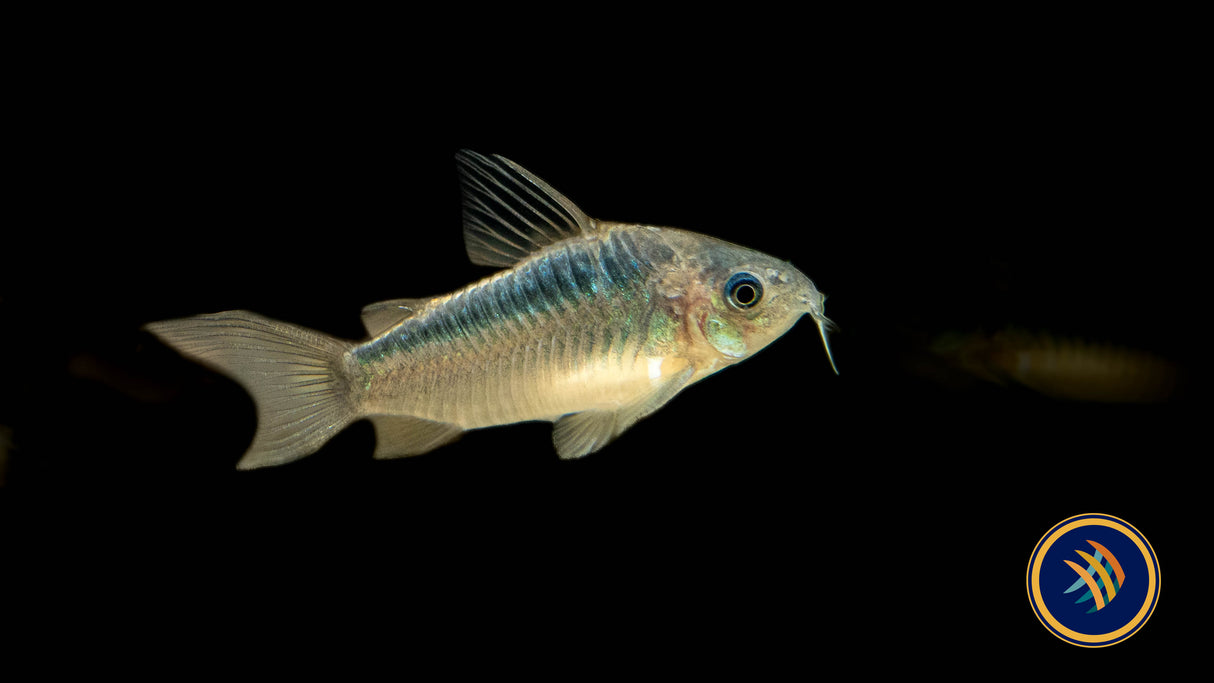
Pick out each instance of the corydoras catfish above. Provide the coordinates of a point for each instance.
(592, 325)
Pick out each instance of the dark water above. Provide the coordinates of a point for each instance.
(773, 513)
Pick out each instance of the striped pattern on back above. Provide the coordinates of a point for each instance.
(560, 332)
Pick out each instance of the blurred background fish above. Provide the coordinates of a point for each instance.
(1058, 367)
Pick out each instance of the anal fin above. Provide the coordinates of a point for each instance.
(398, 436)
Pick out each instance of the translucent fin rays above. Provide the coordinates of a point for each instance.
(510, 213)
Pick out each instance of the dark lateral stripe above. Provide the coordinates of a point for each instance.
(562, 270)
(584, 274)
(549, 288)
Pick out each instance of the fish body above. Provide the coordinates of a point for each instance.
(591, 325)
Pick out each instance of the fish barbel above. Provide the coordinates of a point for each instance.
(592, 325)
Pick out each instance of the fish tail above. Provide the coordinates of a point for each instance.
(297, 377)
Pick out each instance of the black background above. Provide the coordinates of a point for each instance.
(774, 516)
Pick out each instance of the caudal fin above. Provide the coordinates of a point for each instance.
(297, 378)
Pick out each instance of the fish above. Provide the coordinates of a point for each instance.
(1061, 367)
(591, 325)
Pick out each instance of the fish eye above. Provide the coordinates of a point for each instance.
(744, 290)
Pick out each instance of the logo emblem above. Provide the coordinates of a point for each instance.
(1107, 595)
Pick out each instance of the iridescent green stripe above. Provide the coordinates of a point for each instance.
(595, 291)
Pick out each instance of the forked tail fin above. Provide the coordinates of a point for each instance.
(297, 378)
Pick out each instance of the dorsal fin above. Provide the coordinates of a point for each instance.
(380, 316)
(510, 213)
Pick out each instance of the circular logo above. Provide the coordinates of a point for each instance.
(1093, 580)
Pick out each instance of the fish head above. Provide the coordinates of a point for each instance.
(748, 299)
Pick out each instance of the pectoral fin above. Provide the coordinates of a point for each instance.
(400, 435)
(580, 434)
